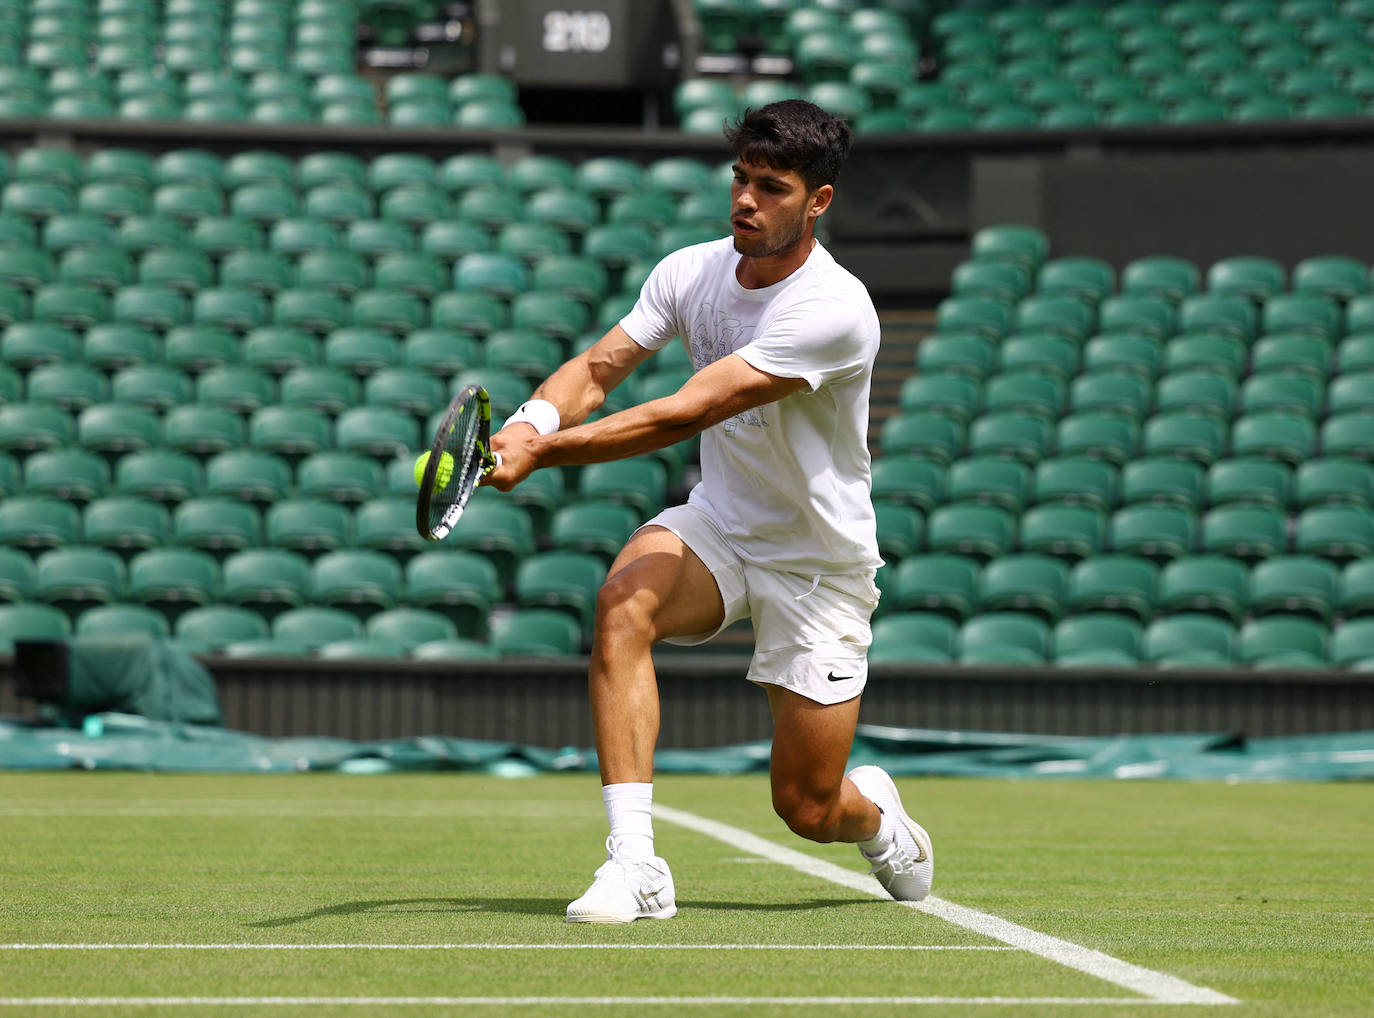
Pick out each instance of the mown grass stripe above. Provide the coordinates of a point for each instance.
(505, 947)
(541, 1001)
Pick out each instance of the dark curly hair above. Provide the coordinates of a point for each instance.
(792, 134)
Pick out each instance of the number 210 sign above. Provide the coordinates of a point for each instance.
(576, 32)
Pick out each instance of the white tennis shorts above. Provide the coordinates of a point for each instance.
(811, 633)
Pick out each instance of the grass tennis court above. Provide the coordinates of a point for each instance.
(270, 895)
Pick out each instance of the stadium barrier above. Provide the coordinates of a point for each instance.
(707, 702)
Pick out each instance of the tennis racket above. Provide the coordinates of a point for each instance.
(462, 448)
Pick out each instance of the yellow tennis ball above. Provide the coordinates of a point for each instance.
(441, 475)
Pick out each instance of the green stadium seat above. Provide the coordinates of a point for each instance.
(125, 525)
(1002, 281)
(160, 475)
(1018, 436)
(1189, 640)
(238, 388)
(28, 345)
(293, 432)
(316, 626)
(344, 273)
(1295, 585)
(310, 309)
(31, 622)
(248, 475)
(542, 632)
(70, 304)
(462, 586)
(1302, 314)
(268, 580)
(388, 310)
(1251, 276)
(981, 315)
(900, 530)
(277, 350)
(156, 387)
(600, 527)
(102, 269)
(1282, 392)
(1097, 639)
(1347, 435)
(173, 580)
(1030, 583)
(1137, 314)
(75, 578)
(1340, 533)
(1040, 353)
(1080, 277)
(1206, 584)
(639, 482)
(360, 581)
(1334, 481)
(1196, 391)
(216, 525)
(1279, 436)
(1075, 480)
(978, 531)
(1007, 638)
(1282, 641)
(1157, 532)
(1292, 353)
(1162, 481)
(1249, 481)
(1110, 393)
(29, 427)
(564, 580)
(361, 351)
(388, 525)
(943, 583)
(1108, 437)
(914, 636)
(202, 429)
(949, 395)
(210, 629)
(311, 526)
(120, 621)
(908, 480)
(1219, 314)
(26, 268)
(968, 354)
(378, 431)
(181, 269)
(1247, 532)
(1067, 532)
(62, 234)
(115, 428)
(1185, 435)
(1350, 642)
(408, 628)
(1333, 277)
(295, 237)
(73, 475)
(990, 480)
(1165, 276)
(930, 436)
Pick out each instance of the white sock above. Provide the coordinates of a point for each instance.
(887, 832)
(629, 808)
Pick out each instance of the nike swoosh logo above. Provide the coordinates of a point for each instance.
(838, 678)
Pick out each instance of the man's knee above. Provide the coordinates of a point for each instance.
(809, 814)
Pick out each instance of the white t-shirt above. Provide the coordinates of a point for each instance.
(789, 482)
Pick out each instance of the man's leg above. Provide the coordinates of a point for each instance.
(811, 744)
(657, 588)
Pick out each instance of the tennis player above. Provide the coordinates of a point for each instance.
(780, 528)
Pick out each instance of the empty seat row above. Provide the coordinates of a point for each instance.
(1129, 584)
(1103, 639)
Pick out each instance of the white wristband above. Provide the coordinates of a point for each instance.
(540, 413)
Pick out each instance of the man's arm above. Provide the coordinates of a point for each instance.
(580, 386)
(716, 393)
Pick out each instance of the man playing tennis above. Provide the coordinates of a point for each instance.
(780, 528)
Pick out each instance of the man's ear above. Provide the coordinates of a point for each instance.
(820, 199)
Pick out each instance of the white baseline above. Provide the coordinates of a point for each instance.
(1159, 987)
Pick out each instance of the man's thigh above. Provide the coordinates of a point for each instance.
(660, 576)
(811, 742)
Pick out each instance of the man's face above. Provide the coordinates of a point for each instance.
(768, 209)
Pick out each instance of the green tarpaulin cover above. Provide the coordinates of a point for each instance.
(129, 742)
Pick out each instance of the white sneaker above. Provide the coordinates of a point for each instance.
(625, 890)
(907, 866)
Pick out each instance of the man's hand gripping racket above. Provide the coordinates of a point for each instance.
(458, 458)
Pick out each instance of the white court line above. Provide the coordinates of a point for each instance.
(504, 947)
(539, 1001)
(1159, 987)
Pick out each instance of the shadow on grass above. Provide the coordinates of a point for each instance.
(523, 906)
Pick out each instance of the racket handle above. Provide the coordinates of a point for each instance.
(495, 461)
